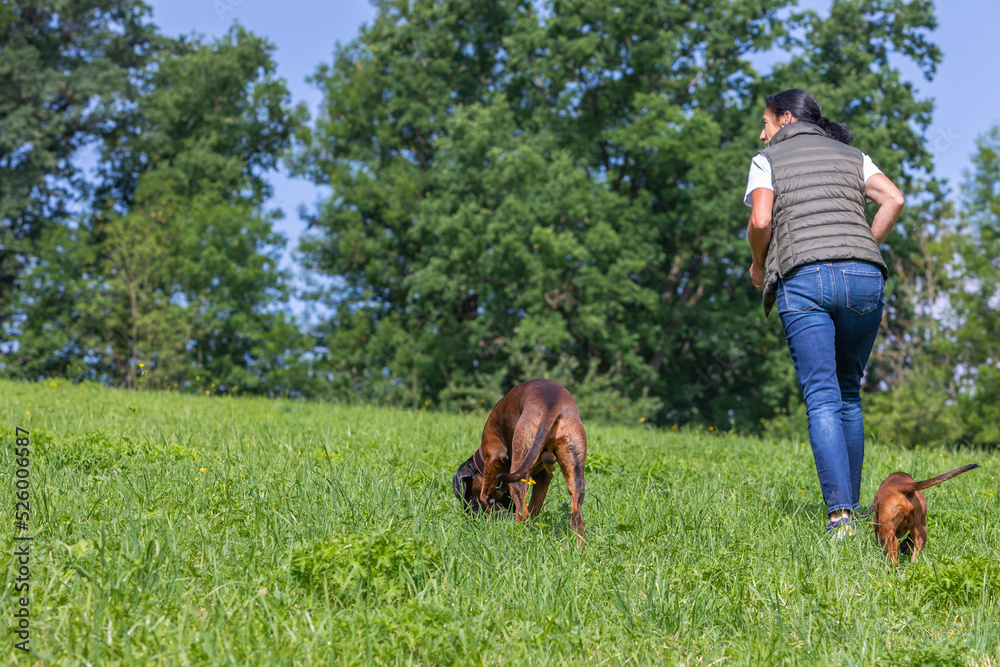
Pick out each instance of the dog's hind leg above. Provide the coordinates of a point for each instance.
(919, 540)
(538, 491)
(571, 459)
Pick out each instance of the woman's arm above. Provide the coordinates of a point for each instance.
(759, 232)
(883, 192)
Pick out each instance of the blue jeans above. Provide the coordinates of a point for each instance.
(831, 312)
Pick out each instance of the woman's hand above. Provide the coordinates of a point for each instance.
(757, 276)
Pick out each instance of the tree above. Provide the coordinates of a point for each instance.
(569, 182)
(68, 73)
(846, 61)
(178, 265)
(946, 390)
(976, 302)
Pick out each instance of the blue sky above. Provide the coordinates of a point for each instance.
(305, 32)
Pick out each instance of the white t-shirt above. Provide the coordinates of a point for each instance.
(760, 175)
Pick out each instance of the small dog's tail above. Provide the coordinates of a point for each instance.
(927, 483)
(532, 456)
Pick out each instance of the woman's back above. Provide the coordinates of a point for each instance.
(819, 203)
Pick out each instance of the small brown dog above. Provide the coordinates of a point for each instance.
(901, 512)
(536, 425)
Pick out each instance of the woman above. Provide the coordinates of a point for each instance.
(815, 256)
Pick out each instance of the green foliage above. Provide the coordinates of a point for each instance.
(68, 69)
(946, 654)
(595, 393)
(220, 530)
(565, 184)
(977, 302)
(960, 581)
(212, 118)
(371, 568)
(93, 451)
(519, 190)
(174, 277)
(949, 393)
(920, 410)
(791, 423)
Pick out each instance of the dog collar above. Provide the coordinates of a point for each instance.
(479, 461)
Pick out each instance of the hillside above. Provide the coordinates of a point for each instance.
(174, 529)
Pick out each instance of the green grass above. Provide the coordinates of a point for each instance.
(320, 533)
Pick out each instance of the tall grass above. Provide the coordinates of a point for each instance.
(204, 530)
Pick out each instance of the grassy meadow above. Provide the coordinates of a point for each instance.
(174, 530)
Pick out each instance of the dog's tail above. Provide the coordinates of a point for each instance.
(927, 483)
(532, 456)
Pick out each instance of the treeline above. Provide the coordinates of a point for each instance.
(516, 192)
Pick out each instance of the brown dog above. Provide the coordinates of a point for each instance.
(901, 512)
(534, 426)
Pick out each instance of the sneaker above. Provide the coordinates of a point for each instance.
(841, 528)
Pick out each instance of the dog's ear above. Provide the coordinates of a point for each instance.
(460, 482)
(458, 486)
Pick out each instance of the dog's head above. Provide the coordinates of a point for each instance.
(467, 484)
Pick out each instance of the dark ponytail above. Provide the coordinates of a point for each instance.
(836, 131)
(804, 106)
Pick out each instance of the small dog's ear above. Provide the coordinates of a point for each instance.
(462, 478)
(458, 486)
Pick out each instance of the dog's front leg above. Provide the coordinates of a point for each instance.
(492, 467)
(486, 492)
(541, 487)
(518, 492)
(892, 548)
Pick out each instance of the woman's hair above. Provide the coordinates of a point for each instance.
(804, 106)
